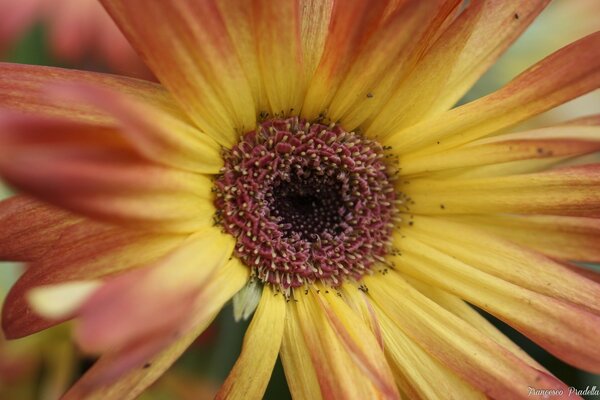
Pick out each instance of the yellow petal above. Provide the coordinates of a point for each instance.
(61, 300)
(251, 373)
(566, 74)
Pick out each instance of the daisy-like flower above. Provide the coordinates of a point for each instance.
(304, 157)
(79, 31)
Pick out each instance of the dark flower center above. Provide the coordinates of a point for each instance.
(306, 202)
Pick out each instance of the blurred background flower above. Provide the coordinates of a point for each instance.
(75, 32)
(79, 33)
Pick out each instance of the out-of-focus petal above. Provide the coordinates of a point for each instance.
(157, 134)
(154, 298)
(124, 374)
(80, 251)
(91, 170)
(30, 228)
(24, 88)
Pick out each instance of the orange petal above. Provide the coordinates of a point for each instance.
(23, 88)
(30, 228)
(82, 251)
(560, 141)
(125, 308)
(390, 55)
(124, 374)
(351, 23)
(476, 358)
(564, 329)
(91, 171)
(568, 191)
(251, 373)
(157, 134)
(570, 72)
(196, 61)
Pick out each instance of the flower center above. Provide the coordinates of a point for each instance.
(306, 202)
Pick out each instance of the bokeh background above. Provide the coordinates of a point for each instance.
(77, 34)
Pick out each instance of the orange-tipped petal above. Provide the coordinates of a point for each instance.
(154, 298)
(300, 373)
(196, 61)
(91, 170)
(469, 46)
(30, 228)
(560, 141)
(565, 329)
(507, 260)
(569, 191)
(564, 75)
(158, 135)
(81, 251)
(344, 367)
(351, 23)
(251, 373)
(124, 374)
(568, 238)
(24, 88)
(417, 373)
(477, 359)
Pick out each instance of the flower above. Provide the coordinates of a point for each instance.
(304, 157)
(79, 31)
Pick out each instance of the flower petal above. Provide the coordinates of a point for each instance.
(61, 300)
(564, 329)
(81, 251)
(418, 374)
(91, 170)
(570, 72)
(123, 375)
(299, 371)
(469, 46)
(196, 62)
(568, 191)
(507, 260)
(569, 238)
(126, 307)
(474, 357)
(30, 227)
(560, 141)
(342, 367)
(385, 59)
(23, 88)
(158, 135)
(350, 25)
(251, 373)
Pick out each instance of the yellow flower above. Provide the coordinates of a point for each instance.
(304, 155)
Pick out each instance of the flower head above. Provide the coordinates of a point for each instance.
(305, 156)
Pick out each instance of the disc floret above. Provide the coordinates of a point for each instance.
(306, 202)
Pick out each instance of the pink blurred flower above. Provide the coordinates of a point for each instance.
(79, 31)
